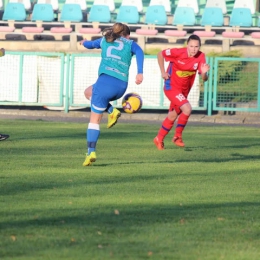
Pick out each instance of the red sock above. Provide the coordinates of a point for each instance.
(165, 129)
(182, 121)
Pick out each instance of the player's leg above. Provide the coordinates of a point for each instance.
(92, 135)
(114, 90)
(88, 92)
(181, 123)
(98, 106)
(113, 113)
(167, 123)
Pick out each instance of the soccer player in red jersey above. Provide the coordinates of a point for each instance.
(179, 78)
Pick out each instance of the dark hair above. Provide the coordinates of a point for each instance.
(116, 31)
(194, 37)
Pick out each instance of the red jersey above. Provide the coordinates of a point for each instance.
(182, 69)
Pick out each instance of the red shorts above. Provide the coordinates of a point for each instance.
(177, 99)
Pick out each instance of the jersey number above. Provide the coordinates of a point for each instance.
(119, 48)
(180, 97)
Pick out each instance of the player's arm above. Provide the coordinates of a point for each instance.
(137, 50)
(96, 44)
(203, 69)
(160, 59)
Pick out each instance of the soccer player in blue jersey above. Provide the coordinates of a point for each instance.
(116, 53)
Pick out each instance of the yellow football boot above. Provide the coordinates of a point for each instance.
(90, 159)
(113, 117)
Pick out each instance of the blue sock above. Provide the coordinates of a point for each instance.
(109, 108)
(92, 136)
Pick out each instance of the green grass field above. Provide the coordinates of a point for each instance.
(135, 202)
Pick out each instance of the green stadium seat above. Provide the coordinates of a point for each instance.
(15, 12)
(212, 16)
(241, 17)
(99, 13)
(156, 14)
(71, 13)
(184, 16)
(128, 14)
(42, 12)
(137, 3)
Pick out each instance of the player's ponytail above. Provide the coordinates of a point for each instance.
(116, 31)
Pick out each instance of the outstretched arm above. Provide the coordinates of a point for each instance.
(137, 50)
(91, 44)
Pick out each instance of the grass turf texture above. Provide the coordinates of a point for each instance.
(135, 202)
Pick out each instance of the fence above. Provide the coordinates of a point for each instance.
(58, 80)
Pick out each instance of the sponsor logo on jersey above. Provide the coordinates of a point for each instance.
(183, 74)
(181, 62)
(195, 66)
(168, 52)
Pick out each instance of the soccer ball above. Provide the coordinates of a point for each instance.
(132, 103)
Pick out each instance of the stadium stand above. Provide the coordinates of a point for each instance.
(109, 3)
(202, 17)
(165, 3)
(189, 3)
(137, 3)
(245, 4)
(54, 4)
(27, 4)
(40, 13)
(217, 4)
(155, 15)
(99, 13)
(128, 14)
(82, 3)
(14, 12)
(211, 17)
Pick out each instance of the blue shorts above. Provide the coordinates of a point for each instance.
(106, 89)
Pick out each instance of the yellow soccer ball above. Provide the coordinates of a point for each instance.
(132, 103)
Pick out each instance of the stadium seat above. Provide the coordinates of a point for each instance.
(109, 3)
(71, 13)
(14, 12)
(82, 3)
(156, 14)
(217, 3)
(245, 4)
(27, 3)
(241, 17)
(212, 16)
(137, 3)
(184, 16)
(190, 4)
(99, 13)
(165, 3)
(54, 3)
(128, 14)
(42, 12)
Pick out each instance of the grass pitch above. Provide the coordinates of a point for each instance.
(135, 202)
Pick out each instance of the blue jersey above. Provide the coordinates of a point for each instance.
(117, 56)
